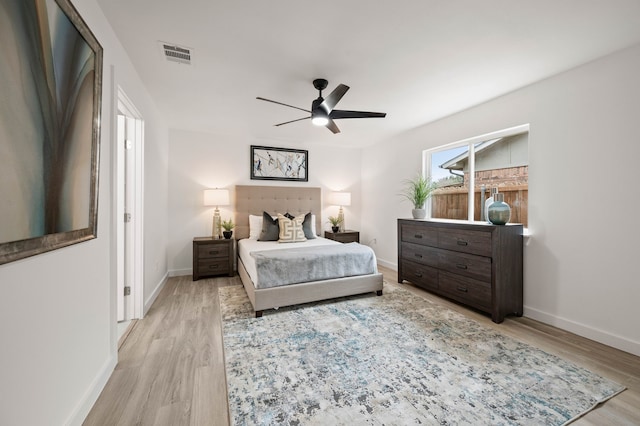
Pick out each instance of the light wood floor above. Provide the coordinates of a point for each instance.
(171, 366)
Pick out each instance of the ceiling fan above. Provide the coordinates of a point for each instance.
(322, 112)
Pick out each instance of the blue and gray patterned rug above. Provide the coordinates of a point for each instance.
(392, 360)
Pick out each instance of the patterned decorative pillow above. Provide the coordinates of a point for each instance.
(291, 229)
(308, 226)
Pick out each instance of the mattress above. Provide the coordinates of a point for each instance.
(246, 246)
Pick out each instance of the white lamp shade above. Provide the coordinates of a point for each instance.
(216, 197)
(340, 198)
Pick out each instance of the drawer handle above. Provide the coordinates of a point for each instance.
(462, 289)
(213, 266)
(419, 256)
(418, 274)
(418, 236)
(214, 252)
(462, 243)
(461, 266)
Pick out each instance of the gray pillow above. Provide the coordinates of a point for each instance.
(306, 225)
(270, 229)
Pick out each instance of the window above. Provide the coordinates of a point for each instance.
(465, 172)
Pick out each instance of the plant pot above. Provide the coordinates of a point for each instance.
(419, 213)
(227, 234)
(335, 229)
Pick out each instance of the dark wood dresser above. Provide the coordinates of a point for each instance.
(212, 257)
(474, 263)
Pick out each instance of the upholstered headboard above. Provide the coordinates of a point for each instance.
(275, 199)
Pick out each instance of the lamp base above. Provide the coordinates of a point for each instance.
(341, 219)
(217, 225)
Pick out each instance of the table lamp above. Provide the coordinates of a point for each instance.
(216, 197)
(341, 199)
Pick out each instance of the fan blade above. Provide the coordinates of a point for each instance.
(331, 125)
(334, 97)
(293, 121)
(338, 113)
(280, 103)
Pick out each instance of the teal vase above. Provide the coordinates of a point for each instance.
(499, 212)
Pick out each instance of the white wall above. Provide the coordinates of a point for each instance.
(198, 161)
(57, 310)
(581, 259)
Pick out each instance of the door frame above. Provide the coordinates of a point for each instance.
(135, 307)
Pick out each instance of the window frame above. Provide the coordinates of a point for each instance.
(470, 143)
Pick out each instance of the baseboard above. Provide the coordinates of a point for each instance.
(154, 295)
(180, 272)
(595, 334)
(390, 265)
(79, 414)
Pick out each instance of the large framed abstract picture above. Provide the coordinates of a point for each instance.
(51, 85)
(268, 163)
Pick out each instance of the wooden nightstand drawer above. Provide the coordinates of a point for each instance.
(206, 251)
(213, 266)
(474, 242)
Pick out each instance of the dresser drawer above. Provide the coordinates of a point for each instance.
(419, 235)
(466, 290)
(477, 267)
(420, 275)
(213, 266)
(424, 255)
(474, 242)
(207, 251)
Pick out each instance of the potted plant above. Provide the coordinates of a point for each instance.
(228, 226)
(335, 223)
(418, 190)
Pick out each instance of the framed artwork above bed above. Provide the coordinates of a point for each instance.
(269, 163)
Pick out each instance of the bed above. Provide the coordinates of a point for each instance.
(253, 201)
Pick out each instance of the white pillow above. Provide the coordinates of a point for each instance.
(313, 224)
(255, 226)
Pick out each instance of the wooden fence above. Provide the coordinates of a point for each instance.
(452, 203)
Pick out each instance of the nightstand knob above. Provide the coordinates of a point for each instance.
(212, 252)
(213, 266)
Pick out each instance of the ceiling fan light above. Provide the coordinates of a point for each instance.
(320, 120)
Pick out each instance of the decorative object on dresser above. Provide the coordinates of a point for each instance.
(341, 199)
(347, 236)
(212, 256)
(216, 197)
(269, 163)
(499, 211)
(418, 190)
(474, 263)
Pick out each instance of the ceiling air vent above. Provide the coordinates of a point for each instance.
(175, 53)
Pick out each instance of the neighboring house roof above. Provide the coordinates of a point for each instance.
(457, 162)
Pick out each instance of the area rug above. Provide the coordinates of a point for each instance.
(392, 360)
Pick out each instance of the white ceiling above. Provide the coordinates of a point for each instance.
(416, 60)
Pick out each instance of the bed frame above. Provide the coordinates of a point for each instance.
(253, 200)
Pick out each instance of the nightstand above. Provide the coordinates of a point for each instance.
(212, 257)
(343, 237)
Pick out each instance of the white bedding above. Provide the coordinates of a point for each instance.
(246, 246)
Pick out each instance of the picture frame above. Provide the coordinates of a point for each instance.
(49, 157)
(271, 163)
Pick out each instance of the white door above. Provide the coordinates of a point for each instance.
(129, 210)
